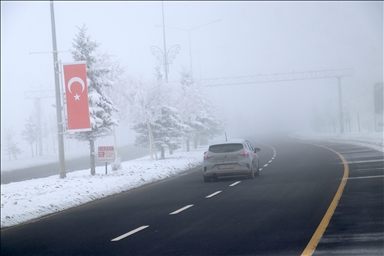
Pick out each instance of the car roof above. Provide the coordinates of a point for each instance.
(228, 142)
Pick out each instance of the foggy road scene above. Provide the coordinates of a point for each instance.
(108, 109)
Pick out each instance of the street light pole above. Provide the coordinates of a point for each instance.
(340, 106)
(58, 98)
(189, 36)
(165, 48)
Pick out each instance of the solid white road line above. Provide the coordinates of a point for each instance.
(234, 184)
(129, 233)
(366, 177)
(181, 209)
(211, 195)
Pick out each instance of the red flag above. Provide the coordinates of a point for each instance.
(76, 95)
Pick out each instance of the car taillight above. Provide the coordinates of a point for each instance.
(244, 153)
(207, 156)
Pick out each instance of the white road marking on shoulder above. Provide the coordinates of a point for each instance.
(181, 209)
(366, 177)
(129, 233)
(211, 195)
(234, 184)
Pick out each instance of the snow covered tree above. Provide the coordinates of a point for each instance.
(170, 130)
(10, 145)
(100, 105)
(198, 114)
(145, 102)
(30, 132)
(166, 131)
(117, 92)
(187, 104)
(210, 124)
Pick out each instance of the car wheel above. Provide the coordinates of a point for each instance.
(258, 169)
(207, 179)
(252, 174)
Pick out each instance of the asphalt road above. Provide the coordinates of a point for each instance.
(127, 152)
(277, 213)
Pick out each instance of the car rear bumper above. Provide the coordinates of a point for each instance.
(216, 172)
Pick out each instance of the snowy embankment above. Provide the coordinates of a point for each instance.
(372, 140)
(31, 199)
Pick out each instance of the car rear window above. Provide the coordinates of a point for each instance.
(224, 148)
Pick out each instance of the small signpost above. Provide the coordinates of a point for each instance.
(106, 154)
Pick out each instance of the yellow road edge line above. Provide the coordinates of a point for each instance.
(309, 250)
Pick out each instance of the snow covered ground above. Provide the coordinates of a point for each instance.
(372, 140)
(31, 199)
(28, 200)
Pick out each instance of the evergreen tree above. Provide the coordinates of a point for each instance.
(211, 124)
(145, 102)
(198, 115)
(166, 131)
(100, 105)
(187, 104)
(170, 130)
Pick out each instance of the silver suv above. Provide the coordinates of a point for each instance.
(229, 158)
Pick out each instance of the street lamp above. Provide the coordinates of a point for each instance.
(189, 37)
(165, 58)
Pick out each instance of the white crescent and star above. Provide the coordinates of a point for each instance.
(73, 80)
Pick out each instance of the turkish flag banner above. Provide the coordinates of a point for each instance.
(76, 96)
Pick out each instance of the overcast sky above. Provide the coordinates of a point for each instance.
(241, 39)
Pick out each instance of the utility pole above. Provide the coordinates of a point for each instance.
(340, 106)
(37, 96)
(165, 47)
(58, 97)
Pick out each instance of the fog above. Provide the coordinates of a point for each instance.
(220, 39)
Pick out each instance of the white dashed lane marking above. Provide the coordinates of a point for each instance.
(129, 233)
(185, 207)
(270, 161)
(213, 194)
(181, 209)
(234, 184)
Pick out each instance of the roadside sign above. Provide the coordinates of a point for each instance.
(106, 154)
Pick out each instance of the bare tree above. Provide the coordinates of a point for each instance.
(31, 132)
(11, 146)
